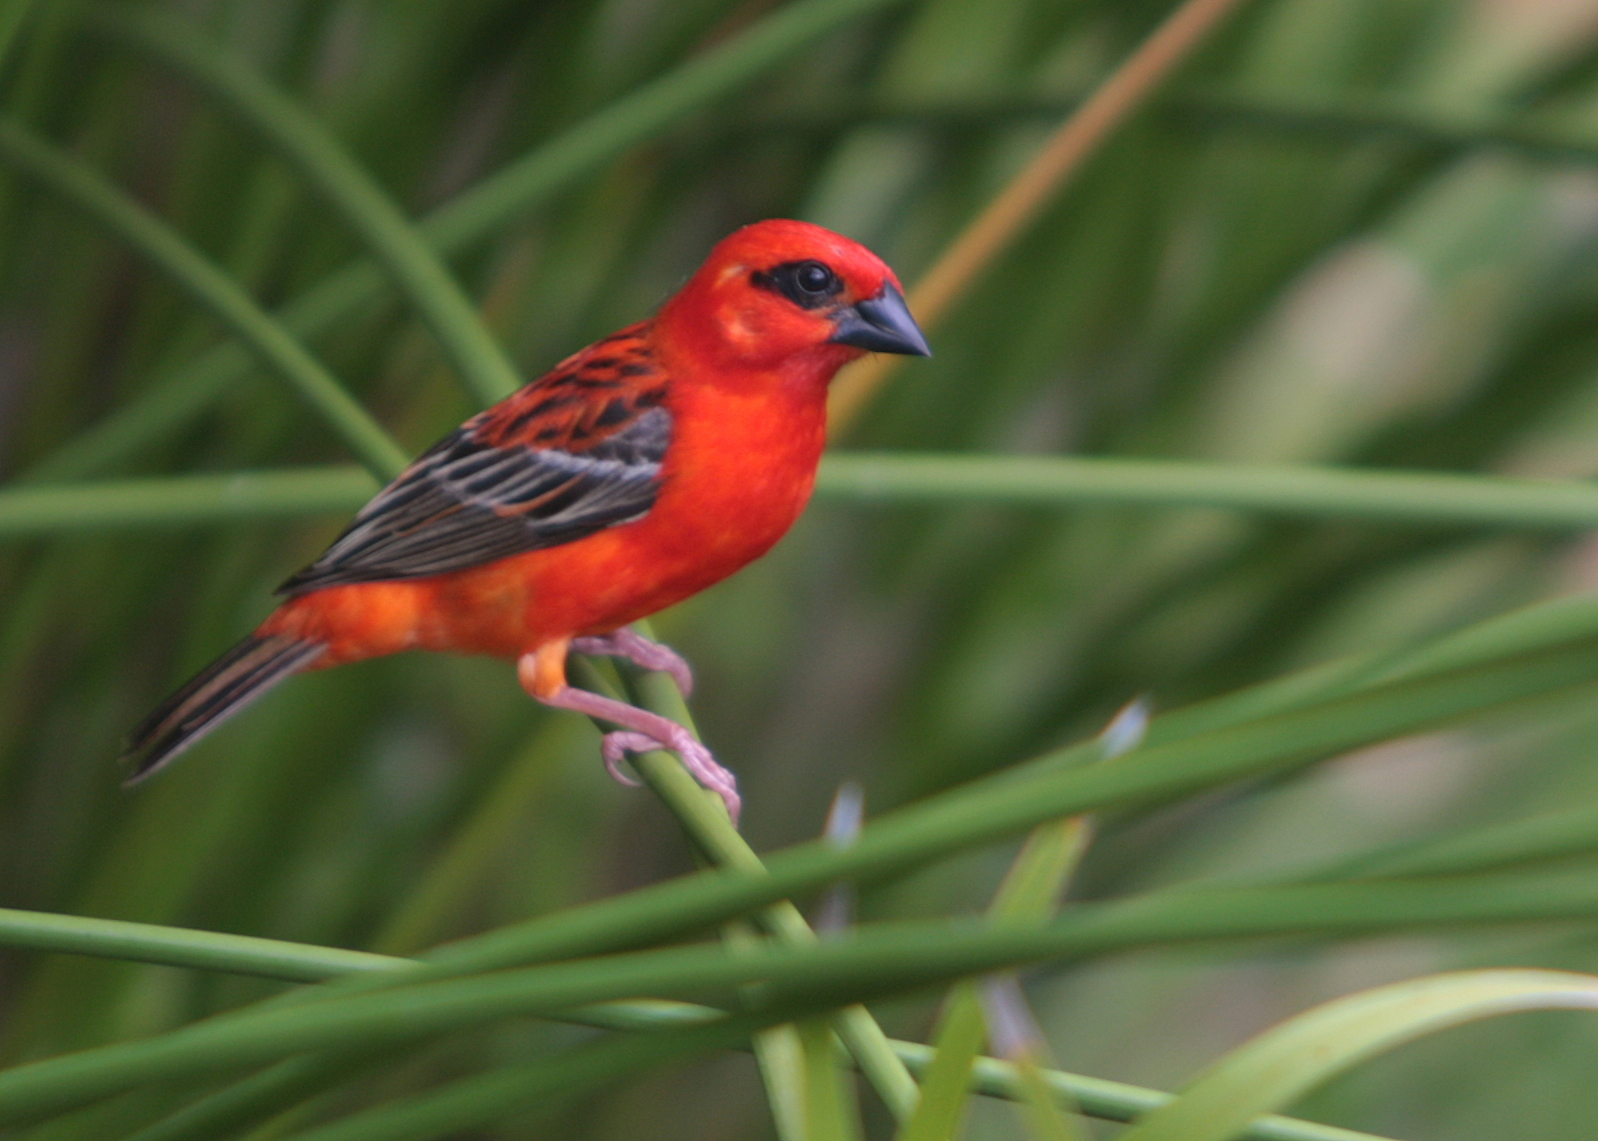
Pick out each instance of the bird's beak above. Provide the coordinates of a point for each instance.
(880, 324)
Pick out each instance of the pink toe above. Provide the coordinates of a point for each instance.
(614, 748)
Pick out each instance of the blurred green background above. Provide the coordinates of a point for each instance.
(1356, 232)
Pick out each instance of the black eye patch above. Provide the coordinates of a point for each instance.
(808, 284)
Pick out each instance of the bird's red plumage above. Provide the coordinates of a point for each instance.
(634, 474)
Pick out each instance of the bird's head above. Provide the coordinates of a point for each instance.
(783, 293)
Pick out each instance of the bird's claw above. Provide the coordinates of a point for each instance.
(642, 652)
(695, 758)
(614, 747)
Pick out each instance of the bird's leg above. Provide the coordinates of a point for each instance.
(543, 675)
(641, 652)
(643, 731)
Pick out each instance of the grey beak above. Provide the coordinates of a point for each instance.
(880, 324)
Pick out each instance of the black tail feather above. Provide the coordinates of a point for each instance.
(213, 695)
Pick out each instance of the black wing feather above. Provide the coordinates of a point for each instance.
(466, 502)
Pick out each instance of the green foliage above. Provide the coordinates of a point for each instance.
(1284, 414)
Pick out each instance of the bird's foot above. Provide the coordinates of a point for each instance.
(640, 732)
(643, 653)
(695, 758)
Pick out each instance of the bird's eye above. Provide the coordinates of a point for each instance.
(808, 284)
(814, 278)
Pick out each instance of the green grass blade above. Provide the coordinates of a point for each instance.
(1112, 1101)
(829, 1116)
(1286, 1062)
(1042, 1113)
(185, 947)
(1028, 892)
(1115, 1101)
(254, 1099)
(1298, 491)
(780, 1055)
(1547, 835)
(176, 501)
(946, 1076)
(544, 1086)
(1357, 116)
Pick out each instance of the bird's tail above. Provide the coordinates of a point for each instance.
(213, 695)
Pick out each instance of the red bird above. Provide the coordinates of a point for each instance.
(635, 473)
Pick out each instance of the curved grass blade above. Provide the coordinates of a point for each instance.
(1287, 1061)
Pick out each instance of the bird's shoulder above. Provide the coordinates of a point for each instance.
(589, 398)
